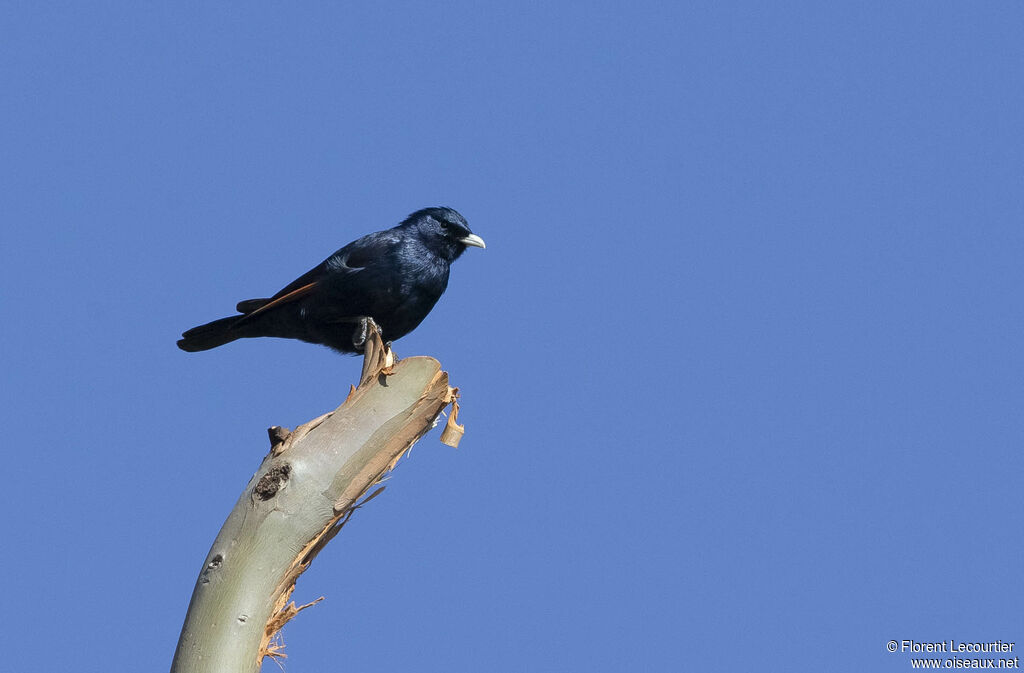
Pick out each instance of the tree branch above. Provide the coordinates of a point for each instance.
(307, 487)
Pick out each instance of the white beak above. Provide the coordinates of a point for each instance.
(474, 241)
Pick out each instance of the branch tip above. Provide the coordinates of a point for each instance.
(453, 432)
(278, 435)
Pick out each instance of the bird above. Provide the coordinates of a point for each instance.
(394, 276)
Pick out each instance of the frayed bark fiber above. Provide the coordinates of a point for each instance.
(308, 486)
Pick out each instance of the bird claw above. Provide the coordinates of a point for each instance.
(362, 333)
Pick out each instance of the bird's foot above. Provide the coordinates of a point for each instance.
(363, 327)
(360, 335)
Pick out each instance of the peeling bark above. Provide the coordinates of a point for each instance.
(307, 487)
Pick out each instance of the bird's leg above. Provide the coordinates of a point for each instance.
(363, 326)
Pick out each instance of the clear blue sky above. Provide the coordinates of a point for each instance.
(742, 363)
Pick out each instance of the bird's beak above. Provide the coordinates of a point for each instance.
(474, 241)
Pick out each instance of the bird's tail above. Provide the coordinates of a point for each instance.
(210, 335)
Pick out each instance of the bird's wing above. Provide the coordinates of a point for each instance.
(363, 252)
(306, 282)
(352, 258)
(311, 277)
(282, 299)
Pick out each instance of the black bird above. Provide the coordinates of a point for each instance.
(393, 276)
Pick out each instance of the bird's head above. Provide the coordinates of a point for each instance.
(444, 231)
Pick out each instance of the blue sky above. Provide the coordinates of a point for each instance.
(741, 364)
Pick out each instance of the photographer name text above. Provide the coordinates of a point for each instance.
(955, 646)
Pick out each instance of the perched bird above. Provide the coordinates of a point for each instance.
(393, 276)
